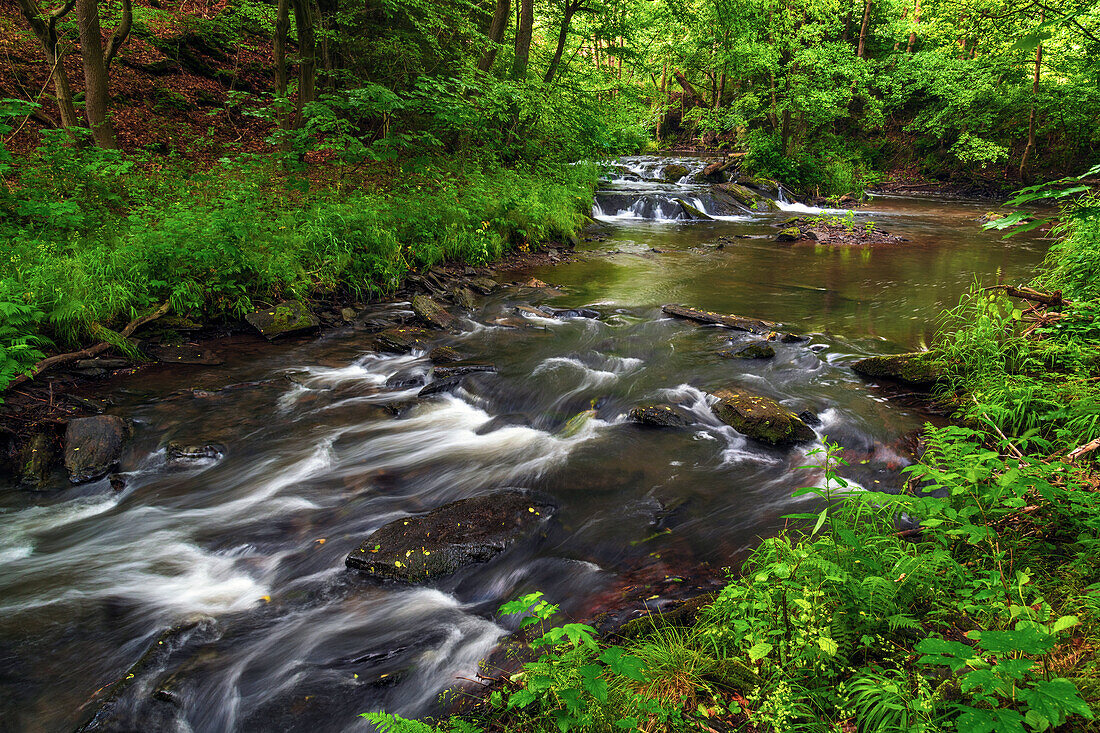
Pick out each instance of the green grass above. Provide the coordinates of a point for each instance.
(96, 239)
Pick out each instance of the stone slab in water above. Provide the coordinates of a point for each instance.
(182, 354)
(428, 546)
(93, 446)
(918, 369)
(445, 355)
(431, 312)
(403, 339)
(729, 321)
(290, 316)
(760, 418)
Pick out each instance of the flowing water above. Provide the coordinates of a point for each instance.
(244, 552)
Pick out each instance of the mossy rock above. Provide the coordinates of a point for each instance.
(674, 172)
(682, 615)
(441, 542)
(693, 211)
(290, 316)
(790, 234)
(761, 418)
(431, 312)
(919, 368)
(744, 195)
(660, 416)
(766, 185)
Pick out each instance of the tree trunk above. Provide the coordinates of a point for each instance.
(96, 96)
(496, 34)
(563, 36)
(688, 88)
(1030, 147)
(916, 22)
(307, 56)
(282, 82)
(863, 29)
(46, 31)
(664, 76)
(523, 38)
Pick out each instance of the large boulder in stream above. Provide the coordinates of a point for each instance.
(427, 546)
(674, 172)
(93, 446)
(761, 418)
(918, 369)
(290, 316)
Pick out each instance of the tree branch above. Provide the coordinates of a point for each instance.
(91, 351)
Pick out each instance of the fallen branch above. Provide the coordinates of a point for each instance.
(1081, 450)
(1051, 300)
(89, 352)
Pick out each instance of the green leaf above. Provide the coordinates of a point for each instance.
(760, 650)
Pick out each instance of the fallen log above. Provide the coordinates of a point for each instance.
(1081, 450)
(89, 352)
(1051, 300)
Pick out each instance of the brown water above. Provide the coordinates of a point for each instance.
(251, 545)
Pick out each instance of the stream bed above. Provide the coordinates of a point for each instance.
(242, 553)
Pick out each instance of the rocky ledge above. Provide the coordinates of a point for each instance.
(424, 547)
(918, 369)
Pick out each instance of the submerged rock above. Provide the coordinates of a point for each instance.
(919, 369)
(660, 416)
(760, 418)
(432, 313)
(182, 354)
(446, 539)
(484, 285)
(458, 369)
(403, 339)
(754, 350)
(93, 446)
(290, 316)
(729, 321)
(182, 452)
(439, 386)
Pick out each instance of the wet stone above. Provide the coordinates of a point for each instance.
(431, 312)
(459, 369)
(464, 298)
(754, 350)
(445, 355)
(183, 452)
(484, 285)
(660, 416)
(290, 316)
(440, 386)
(403, 339)
(919, 369)
(761, 418)
(93, 446)
(35, 461)
(441, 542)
(737, 323)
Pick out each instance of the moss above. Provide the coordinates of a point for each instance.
(761, 418)
(919, 369)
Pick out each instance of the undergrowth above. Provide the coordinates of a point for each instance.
(96, 238)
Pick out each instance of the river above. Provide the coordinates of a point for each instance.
(247, 549)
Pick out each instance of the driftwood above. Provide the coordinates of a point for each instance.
(1051, 300)
(1081, 450)
(91, 351)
